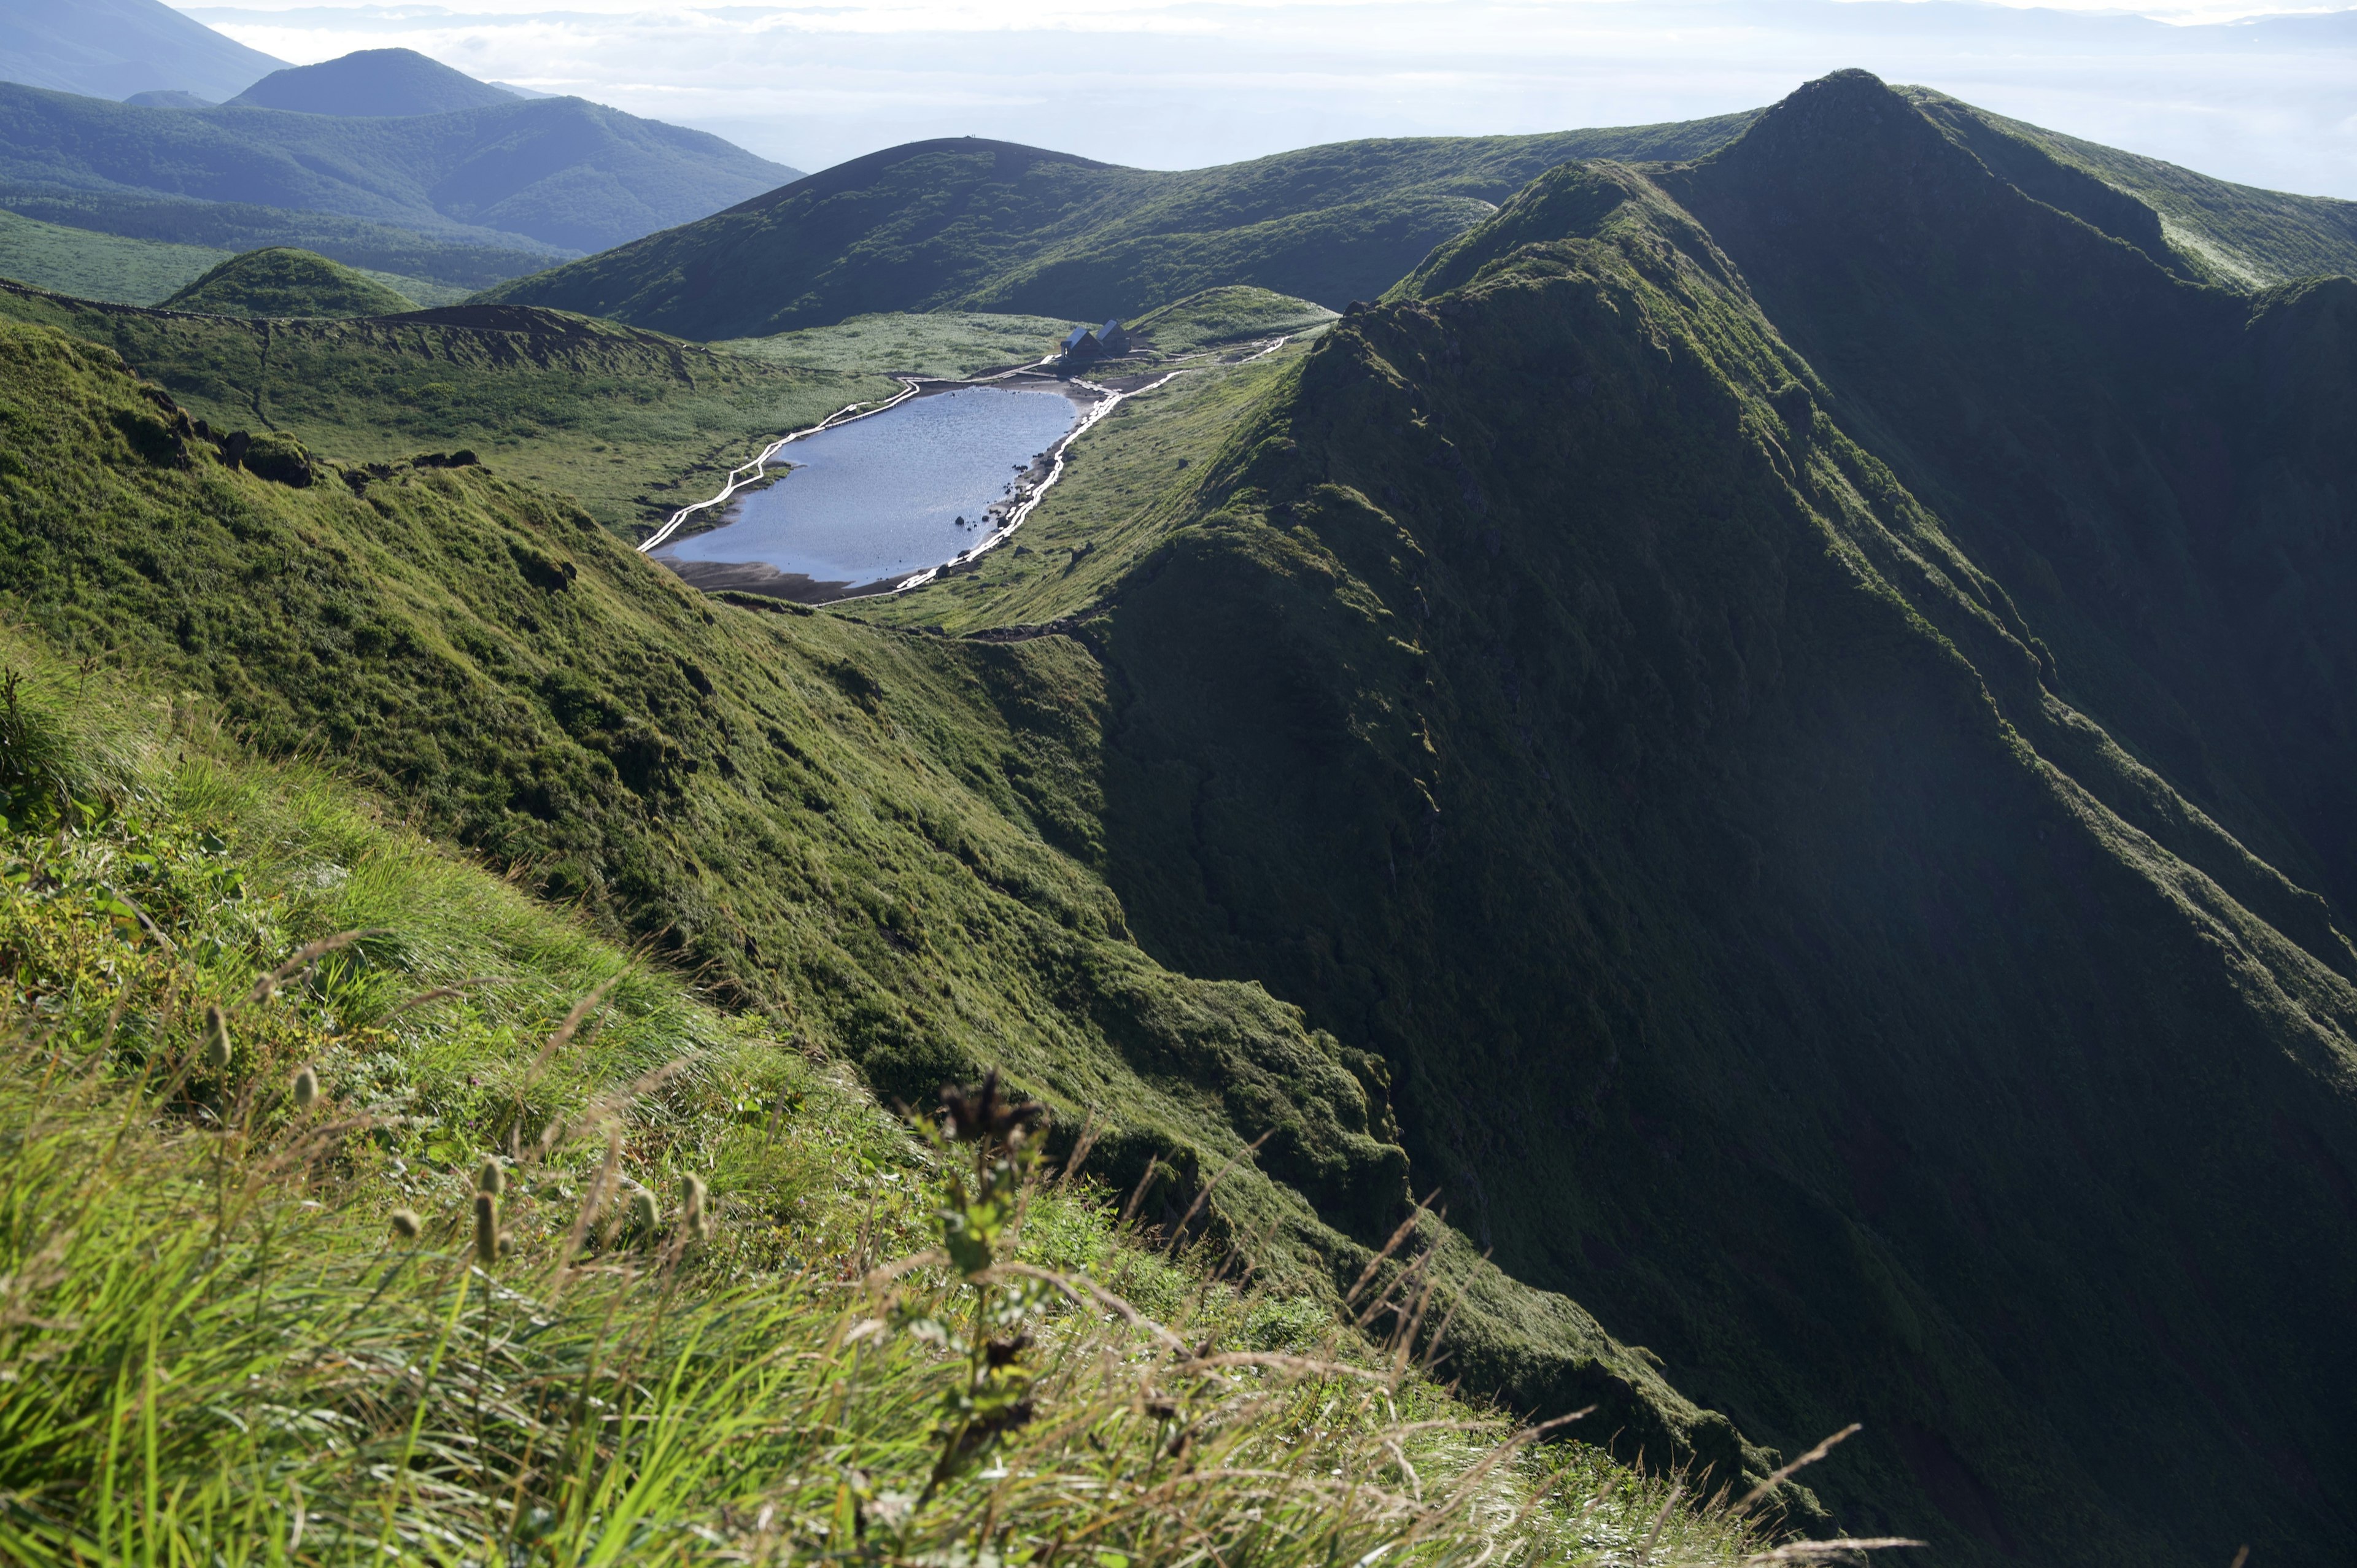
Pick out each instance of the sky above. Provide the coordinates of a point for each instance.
(2262, 97)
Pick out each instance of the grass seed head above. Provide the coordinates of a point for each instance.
(486, 1228)
(643, 1215)
(493, 1179)
(306, 1089)
(405, 1224)
(216, 1037)
(695, 1201)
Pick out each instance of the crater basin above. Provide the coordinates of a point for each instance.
(867, 505)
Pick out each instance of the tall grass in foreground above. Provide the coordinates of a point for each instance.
(353, 1210)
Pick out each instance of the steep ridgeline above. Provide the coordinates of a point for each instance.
(1803, 704)
(560, 172)
(982, 225)
(889, 845)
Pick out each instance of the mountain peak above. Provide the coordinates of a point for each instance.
(372, 84)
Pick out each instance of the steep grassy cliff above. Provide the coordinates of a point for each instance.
(1712, 682)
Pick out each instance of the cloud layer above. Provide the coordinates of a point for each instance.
(2267, 100)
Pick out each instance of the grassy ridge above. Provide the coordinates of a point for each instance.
(978, 225)
(1737, 852)
(2232, 234)
(191, 1246)
(633, 424)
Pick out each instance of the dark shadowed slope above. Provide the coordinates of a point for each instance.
(112, 48)
(993, 226)
(1803, 708)
(559, 171)
(372, 82)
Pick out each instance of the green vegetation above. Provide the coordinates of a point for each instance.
(434, 270)
(1218, 316)
(633, 424)
(97, 266)
(287, 283)
(516, 176)
(1775, 726)
(944, 343)
(1051, 234)
(361, 1211)
(886, 847)
(2207, 229)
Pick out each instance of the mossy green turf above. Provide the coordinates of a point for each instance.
(982, 225)
(949, 344)
(191, 1249)
(886, 844)
(633, 424)
(283, 281)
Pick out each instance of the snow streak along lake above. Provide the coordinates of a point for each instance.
(879, 499)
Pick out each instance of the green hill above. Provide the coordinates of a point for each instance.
(557, 171)
(287, 283)
(371, 83)
(981, 225)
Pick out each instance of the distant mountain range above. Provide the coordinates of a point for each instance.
(985, 225)
(112, 48)
(372, 83)
(547, 173)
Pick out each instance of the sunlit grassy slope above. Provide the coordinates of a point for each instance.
(885, 845)
(266, 1050)
(631, 424)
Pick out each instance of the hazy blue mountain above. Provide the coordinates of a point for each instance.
(167, 98)
(559, 171)
(372, 83)
(109, 48)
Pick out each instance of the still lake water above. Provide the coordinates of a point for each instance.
(879, 499)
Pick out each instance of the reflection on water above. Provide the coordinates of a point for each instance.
(881, 499)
